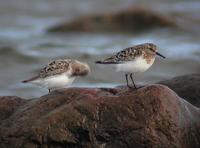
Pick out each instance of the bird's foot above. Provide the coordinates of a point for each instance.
(132, 87)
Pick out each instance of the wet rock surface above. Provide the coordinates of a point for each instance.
(187, 87)
(8, 105)
(152, 116)
(134, 19)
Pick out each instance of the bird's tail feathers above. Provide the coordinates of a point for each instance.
(105, 62)
(31, 79)
(100, 62)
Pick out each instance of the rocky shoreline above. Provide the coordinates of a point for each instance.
(152, 116)
(133, 19)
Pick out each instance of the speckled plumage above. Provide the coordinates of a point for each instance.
(134, 59)
(59, 73)
(146, 50)
(55, 67)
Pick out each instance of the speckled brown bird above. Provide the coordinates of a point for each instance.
(134, 59)
(59, 73)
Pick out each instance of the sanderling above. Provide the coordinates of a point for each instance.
(59, 73)
(134, 59)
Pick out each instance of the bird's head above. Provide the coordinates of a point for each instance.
(80, 69)
(152, 47)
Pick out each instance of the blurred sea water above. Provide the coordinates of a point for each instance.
(25, 47)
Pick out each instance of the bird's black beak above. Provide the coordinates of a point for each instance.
(160, 54)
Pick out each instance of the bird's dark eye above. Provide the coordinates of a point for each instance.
(152, 49)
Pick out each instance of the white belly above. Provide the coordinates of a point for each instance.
(54, 82)
(138, 65)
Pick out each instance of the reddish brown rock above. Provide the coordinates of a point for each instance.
(8, 106)
(187, 87)
(132, 19)
(153, 116)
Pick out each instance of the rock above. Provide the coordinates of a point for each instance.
(8, 106)
(187, 87)
(152, 116)
(133, 19)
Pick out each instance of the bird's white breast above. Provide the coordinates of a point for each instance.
(135, 66)
(54, 82)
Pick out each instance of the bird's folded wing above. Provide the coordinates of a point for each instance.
(128, 54)
(54, 68)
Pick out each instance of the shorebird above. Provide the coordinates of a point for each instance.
(134, 59)
(59, 73)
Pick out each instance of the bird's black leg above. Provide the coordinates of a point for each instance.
(131, 76)
(127, 81)
(49, 90)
